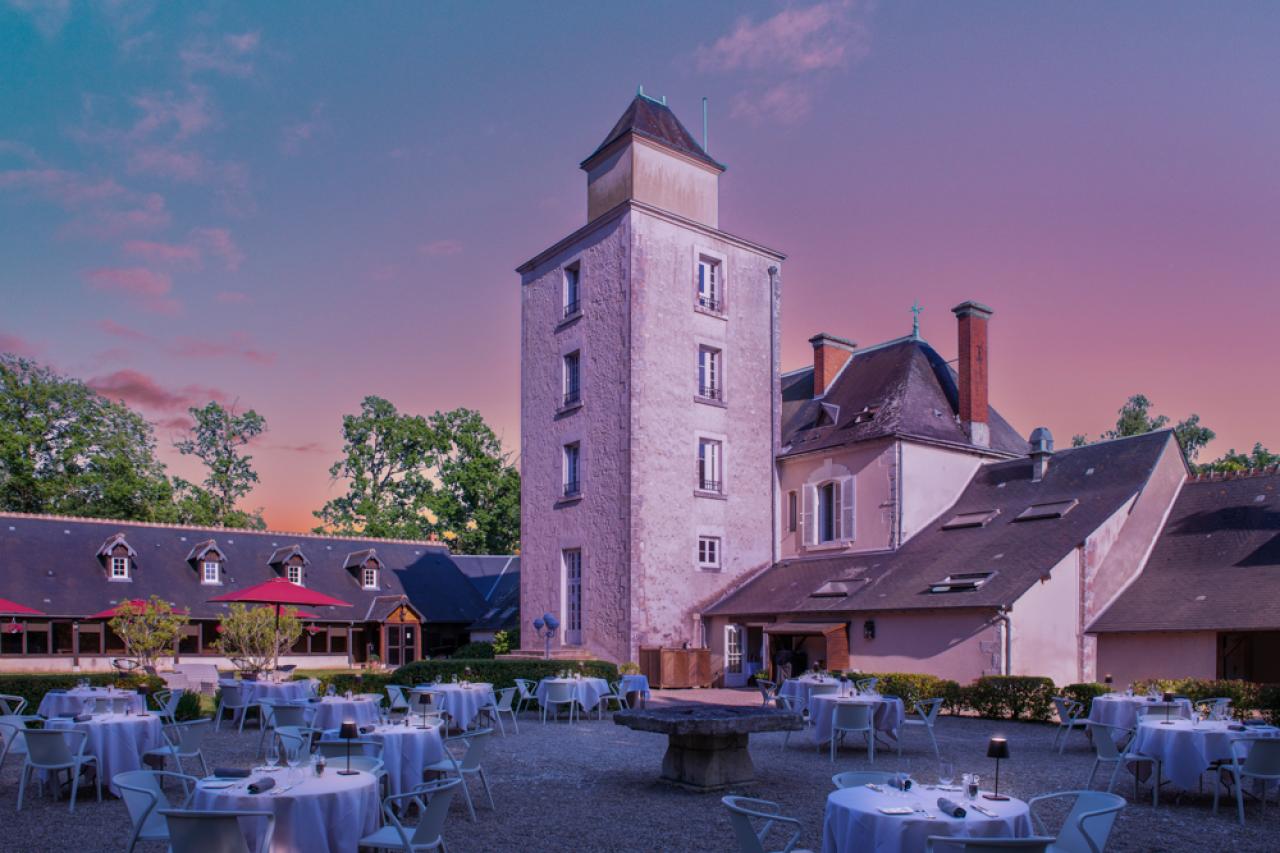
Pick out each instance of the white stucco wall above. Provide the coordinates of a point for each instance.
(935, 479)
(1046, 624)
(1156, 654)
(960, 645)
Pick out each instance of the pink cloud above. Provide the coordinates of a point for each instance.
(69, 189)
(48, 16)
(119, 330)
(787, 103)
(165, 253)
(19, 346)
(441, 247)
(150, 214)
(232, 297)
(150, 288)
(166, 162)
(135, 388)
(235, 348)
(797, 39)
(293, 136)
(187, 115)
(218, 242)
(230, 55)
(306, 447)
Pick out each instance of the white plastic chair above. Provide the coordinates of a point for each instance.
(854, 778)
(1215, 709)
(1262, 762)
(785, 703)
(848, 718)
(615, 696)
(143, 795)
(234, 699)
(768, 691)
(192, 831)
(560, 693)
(1034, 844)
(294, 742)
(16, 744)
(866, 685)
(11, 705)
(1070, 717)
(1173, 710)
(184, 740)
(428, 834)
(928, 715)
(167, 704)
(1113, 745)
(476, 742)
(502, 705)
(528, 694)
(49, 750)
(110, 704)
(741, 812)
(1087, 826)
(396, 697)
(277, 714)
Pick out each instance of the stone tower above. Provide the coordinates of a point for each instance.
(649, 408)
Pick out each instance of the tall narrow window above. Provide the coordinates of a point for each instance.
(119, 568)
(708, 552)
(828, 517)
(572, 559)
(294, 573)
(210, 569)
(572, 288)
(709, 373)
(792, 512)
(572, 378)
(709, 465)
(572, 469)
(709, 287)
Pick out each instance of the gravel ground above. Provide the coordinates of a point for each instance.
(593, 787)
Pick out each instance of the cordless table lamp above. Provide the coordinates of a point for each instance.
(348, 732)
(997, 748)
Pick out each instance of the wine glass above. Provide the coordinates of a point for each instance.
(293, 757)
(946, 773)
(273, 756)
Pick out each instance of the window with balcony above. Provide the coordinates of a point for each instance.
(572, 470)
(572, 290)
(710, 466)
(709, 374)
(710, 287)
(572, 379)
(708, 552)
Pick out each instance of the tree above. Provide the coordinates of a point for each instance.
(386, 457)
(257, 636)
(1135, 418)
(149, 629)
(1260, 457)
(66, 449)
(216, 440)
(476, 501)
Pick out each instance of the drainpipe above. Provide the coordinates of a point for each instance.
(774, 391)
(1006, 633)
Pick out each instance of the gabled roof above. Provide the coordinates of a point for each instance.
(901, 388)
(654, 120)
(281, 555)
(1101, 477)
(359, 558)
(201, 548)
(1215, 566)
(114, 540)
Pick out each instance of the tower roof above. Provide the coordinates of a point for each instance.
(654, 120)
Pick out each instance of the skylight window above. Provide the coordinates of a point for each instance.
(980, 518)
(962, 582)
(1055, 509)
(835, 589)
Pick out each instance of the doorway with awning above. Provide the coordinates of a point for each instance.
(812, 644)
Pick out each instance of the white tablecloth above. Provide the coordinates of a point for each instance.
(406, 750)
(332, 711)
(324, 813)
(72, 702)
(634, 684)
(586, 690)
(118, 741)
(887, 716)
(269, 691)
(462, 703)
(1119, 709)
(1187, 749)
(800, 690)
(853, 823)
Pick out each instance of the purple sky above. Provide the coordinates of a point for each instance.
(292, 206)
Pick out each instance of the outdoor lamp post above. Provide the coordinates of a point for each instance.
(348, 732)
(546, 627)
(997, 748)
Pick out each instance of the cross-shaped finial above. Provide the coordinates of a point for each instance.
(915, 318)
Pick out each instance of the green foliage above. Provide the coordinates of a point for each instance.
(189, 707)
(254, 635)
(414, 477)
(1245, 696)
(33, 686)
(912, 687)
(474, 651)
(1231, 461)
(149, 630)
(633, 668)
(505, 641)
(499, 673)
(1269, 702)
(1085, 693)
(1010, 697)
(216, 440)
(66, 449)
(1135, 418)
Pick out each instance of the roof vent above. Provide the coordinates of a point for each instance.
(971, 519)
(1041, 449)
(962, 582)
(1054, 509)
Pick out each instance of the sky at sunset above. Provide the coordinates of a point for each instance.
(293, 205)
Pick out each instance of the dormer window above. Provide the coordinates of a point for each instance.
(370, 577)
(364, 566)
(294, 574)
(206, 559)
(119, 568)
(117, 557)
(209, 572)
(289, 561)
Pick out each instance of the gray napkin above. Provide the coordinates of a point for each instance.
(83, 718)
(950, 807)
(231, 773)
(262, 783)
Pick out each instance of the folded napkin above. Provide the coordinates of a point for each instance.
(231, 773)
(314, 699)
(1236, 727)
(66, 715)
(364, 730)
(83, 718)
(950, 807)
(902, 783)
(262, 783)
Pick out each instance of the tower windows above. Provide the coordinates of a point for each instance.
(709, 374)
(571, 560)
(572, 379)
(710, 462)
(572, 290)
(710, 286)
(572, 470)
(708, 552)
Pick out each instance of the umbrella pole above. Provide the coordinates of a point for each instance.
(275, 664)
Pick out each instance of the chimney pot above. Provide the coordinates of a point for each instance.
(972, 320)
(830, 354)
(1041, 449)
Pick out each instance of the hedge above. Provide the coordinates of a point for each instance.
(1011, 697)
(499, 673)
(33, 686)
(1246, 696)
(1085, 693)
(912, 687)
(473, 651)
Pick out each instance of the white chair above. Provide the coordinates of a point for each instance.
(167, 704)
(742, 810)
(476, 742)
(428, 834)
(15, 744)
(1087, 826)
(768, 691)
(503, 705)
(1172, 710)
(110, 704)
(615, 696)
(48, 750)
(854, 778)
(1215, 709)
(398, 702)
(143, 795)
(528, 694)
(1034, 844)
(1113, 745)
(866, 685)
(235, 700)
(366, 763)
(277, 714)
(928, 715)
(1262, 762)
(786, 704)
(11, 705)
(848, 718)
(560, 693)
(184, 740)
(1070, 717)
(293, 742)
(192, 831)
(428, 702)
(8, 736)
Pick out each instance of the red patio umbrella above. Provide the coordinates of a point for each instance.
(281, 592)
(112, 612)
(13, 608)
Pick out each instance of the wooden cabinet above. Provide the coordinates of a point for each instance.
(674, 668)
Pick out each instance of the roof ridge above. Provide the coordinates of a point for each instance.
(41, 516)
(1244, 473)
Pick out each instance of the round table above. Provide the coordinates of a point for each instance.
(322, 813)
(332, 711)
(462, 702)
(853, 821)
(887, 717)
(800, 690)
(1186, 749)
(270, 691)
(586, 690)
(1121, 709)
(405, 751)
(634, 685)
(72, 701)
(117, 740)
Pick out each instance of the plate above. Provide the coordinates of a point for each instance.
(215, 785)
(895, 810)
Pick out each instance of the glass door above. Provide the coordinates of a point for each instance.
(734, 676)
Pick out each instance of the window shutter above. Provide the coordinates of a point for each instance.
(837, 517)
(806, 515)
(846, 508)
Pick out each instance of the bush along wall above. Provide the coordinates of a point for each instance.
(33, 686)
(499, 673)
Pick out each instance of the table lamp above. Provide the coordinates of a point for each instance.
(348, 732)
(1108, 681)
(1168, 703)
(424, 702)
(997, 748)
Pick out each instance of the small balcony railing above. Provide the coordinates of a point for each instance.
(572, 397)
(710, 303)
(709, 392)
(572, 489)
(705, 481)
(572, 308)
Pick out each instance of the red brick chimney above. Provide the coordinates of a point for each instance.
(974, 414)
(829, 355)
